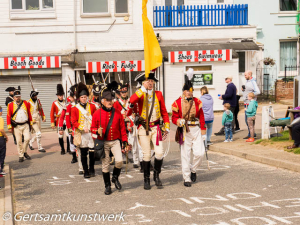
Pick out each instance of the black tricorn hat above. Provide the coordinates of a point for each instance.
(60, 90)
(9, 89)
(17, 92)
(108, 92)
(188, 85)
(82, 90)
(33, 93)
(73, 90)
(97, 88)
(141, 77)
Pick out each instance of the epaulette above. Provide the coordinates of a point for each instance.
(175, 107)
(139, 93)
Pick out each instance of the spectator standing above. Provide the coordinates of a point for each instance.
(251, 112)
(208, 109)
(227, 119)
(3, 140)
(249, 87)
(236, 114)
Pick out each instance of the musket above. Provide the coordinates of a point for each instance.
(39, 104)
(94, 79)
(70, 81)
(205, 146)
(66, 91)
(84, 79)
(103, 78)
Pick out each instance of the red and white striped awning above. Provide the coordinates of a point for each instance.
(115, 66)
(10, 63)
(200, 56)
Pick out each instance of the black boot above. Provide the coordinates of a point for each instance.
(27, 156)
(85, 165)
(157, 170)
(30, 147)
(68, 146)
(61, 143)
(115, 178)
(193, 177)
(15, 141)
(147, 185)
(142, 167)
(92, 163)
(74, 159)
(106, 178)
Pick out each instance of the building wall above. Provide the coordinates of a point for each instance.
(174, 78)
(193, 2)
(266, 15)
(55, 35)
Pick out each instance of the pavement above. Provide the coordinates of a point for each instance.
(234, 191)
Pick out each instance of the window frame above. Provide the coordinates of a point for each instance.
(41, 9)
(87, 15)
(295, 72)
(121, 14)
(286, 11)
(221, 2)
(187, 66)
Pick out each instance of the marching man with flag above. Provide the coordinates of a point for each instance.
(56, 110)
(187, 114)
(37, 113)
(81, 118)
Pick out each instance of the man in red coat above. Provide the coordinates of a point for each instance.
(19, 121)
(81, 119)
(155, 134)
(116, 133)
(66, 118)
(187, 113)
(57, 108)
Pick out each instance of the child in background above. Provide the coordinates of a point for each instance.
(251, 112)
(3, 140)
(227, 122)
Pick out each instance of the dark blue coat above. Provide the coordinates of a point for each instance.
(230, 95)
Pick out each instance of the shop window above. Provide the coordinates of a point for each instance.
(288, 5)
(29, 5)
(203, 75)
(121, 6)
(288, 55)
(242, 62)
(95, 6)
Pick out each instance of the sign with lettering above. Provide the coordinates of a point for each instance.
(9, 63)
(115, 66)
(202, 79)
(200, 56)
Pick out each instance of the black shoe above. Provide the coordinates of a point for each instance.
(135, 166)
(42, 150)
(74, 160)
(221, 132)
(237, 129)
(107, 190)
(62, 152)
(187, 184)
(80, 173)
(21, 159)
(193, 177)
(157, 171)
(147, 185)
(27, 156)
(92, 174)
(30, 147)
(115, 178)
(15, 142)
(86, 174)
(142, 167)
(106, 178)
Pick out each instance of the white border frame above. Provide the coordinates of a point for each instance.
(281, 73)
(201, 72)
(24, 10)
(87, 15)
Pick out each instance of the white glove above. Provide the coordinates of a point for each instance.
(144, 89)
(203, 137)
(167, 130)
(182, 122)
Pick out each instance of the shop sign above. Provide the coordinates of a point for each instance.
(202, 79)
(9, 63)
(115, 66)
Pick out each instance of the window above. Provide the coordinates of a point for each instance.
(180, 2)
(220, 1)
(242, 62)
(95, 6)
(168, 2)
(288, 55)
(28, 5)
(121, 6)
(203, 75)
(288, 5)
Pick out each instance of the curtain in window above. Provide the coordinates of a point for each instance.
(288, 55)
(288, 5)
(95, 6)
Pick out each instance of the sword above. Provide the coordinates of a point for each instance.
(94, 79)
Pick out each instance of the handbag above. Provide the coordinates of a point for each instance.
(99, 144)
(77, 138)
(12, 122)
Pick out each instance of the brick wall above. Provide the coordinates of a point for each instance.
(284, 90)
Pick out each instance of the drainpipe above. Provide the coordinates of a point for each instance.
(74, 27)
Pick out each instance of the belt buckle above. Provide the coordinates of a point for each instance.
(193, 122)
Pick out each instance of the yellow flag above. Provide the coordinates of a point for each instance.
(152, 52)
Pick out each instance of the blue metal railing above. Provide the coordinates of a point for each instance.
(198, 16)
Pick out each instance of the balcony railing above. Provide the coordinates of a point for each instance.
(200, 16)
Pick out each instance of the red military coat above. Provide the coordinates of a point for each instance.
(66, 116)
(117, 130)
(40, 109)
(12, 107)
(139, 97)
(54, 113)
(177, 112)
(77, 116)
